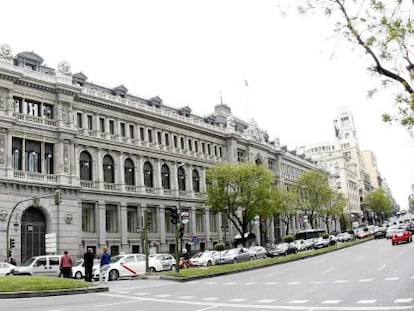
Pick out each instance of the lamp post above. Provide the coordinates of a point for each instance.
(178, 222)
(225, 227)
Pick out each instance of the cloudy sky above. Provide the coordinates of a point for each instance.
(188, 52)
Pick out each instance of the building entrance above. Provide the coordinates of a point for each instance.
(33, 230)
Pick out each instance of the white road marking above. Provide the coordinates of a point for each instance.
(367, 301)
(142, 294)
(297, 301)
(402, 253)
(193, 282)
(163, 295)
(237, 300)
(365, 280)
(331, 301)
(412, 277)
(266, 301)
(327, 271)
(341, 281)
(124, 292)
(274, 283)
(381, 268)
(403, 300)
(250, 283)
(391, 279)
(293, 283)
(186, 297)
(230, 283)
(211, 283)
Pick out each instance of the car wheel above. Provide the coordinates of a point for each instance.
(235, 260)
(78, 275)
(296, 251)
(152, 269)
(208, 263)
(173, 267)
(113, 275)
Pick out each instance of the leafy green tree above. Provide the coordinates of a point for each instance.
(285, 205)
(383, 30)
(379, 203)
(314, 193)
(333, 208)
(241, 192)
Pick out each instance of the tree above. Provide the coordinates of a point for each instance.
(333, 208)
(286, 205)
(379, 203)
(314, 193)
(241, 192)
(385, 34)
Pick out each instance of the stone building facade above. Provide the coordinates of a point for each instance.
(113, 156)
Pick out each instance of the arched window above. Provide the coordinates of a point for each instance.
(181, 179)
(148, 180)
(165, 177)
(85, 166)
(108, 169)
(129, 172)
(196, 181)
(17, 159)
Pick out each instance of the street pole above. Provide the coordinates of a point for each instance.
(146, 248)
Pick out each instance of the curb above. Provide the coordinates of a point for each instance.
(59, 292)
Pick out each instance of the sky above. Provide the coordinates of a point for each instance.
(189, 52)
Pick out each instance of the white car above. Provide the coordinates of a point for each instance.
(161, 262)
(6, 268)
(78, 268)
(207, 258)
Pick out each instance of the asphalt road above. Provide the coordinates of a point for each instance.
(369, 276)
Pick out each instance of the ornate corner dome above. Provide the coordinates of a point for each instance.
(155, 101)
(120, 91)
(185, 111)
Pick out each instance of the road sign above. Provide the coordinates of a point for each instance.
(50, 239)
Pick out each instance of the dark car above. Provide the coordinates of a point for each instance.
(380, 233)
(281, 249)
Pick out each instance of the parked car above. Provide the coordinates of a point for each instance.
(258, 252)
(40, 265)
(380, 233)
(235, 255)
(282, 249)
(300, 245)
(78, 268)
(390, 231)
(207, 258)
(309, 243)
(121, 266)
(161, 262)
(6, 268)
(321, 243)
(345, 237)
(401, 236)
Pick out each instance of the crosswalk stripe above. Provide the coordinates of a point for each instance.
(331, 301)
(367, 301)
(297, 301)
(403, 300)
(266, 300)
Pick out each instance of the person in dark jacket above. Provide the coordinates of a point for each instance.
(88, 258)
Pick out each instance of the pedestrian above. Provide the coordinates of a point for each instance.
(104, 267)
(66, 265)
(12, 261)
(88, 258)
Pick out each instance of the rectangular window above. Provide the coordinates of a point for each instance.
(169, 226)
(213, 222)
(200, 220)
(47, 111)
(79, 118)
(182, 142)
(132, 219)
(241, 156)
(90, 122)
(220, 152)
(150, 135)
(18, 104)
(111, 213)
(159, 138)
(208, 149)
(141, 134)
(123, 130)
(271, 165)
(88, 217)
(190, 145)
(111, 127)
(175, 141)
(196, 146)
(203, 148)
(102, 124)
(131, 131)
(215, 150)
(48, 161)
(152, 215)
(32, 108)
(167, 139)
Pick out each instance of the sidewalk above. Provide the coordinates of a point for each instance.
(60, 292)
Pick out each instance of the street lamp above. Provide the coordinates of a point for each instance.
(178, 222)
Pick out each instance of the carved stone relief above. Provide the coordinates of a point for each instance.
(6, 52)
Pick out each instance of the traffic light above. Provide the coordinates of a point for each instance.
(174, 216)
(148, 218)
(58, 198)
(12, 243)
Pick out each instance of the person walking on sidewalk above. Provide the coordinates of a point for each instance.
(105, 261)
(66, 265)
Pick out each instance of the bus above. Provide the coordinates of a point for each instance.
(309, 234)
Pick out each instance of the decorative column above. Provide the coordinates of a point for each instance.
(157, 177)
(209, 244)
(163, 241)
(123, 225)
(102, 224)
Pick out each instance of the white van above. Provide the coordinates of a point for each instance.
(40, 265)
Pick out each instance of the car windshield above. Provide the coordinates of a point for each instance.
(29, 261)
(116, 258)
